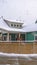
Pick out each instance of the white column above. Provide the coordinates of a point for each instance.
(1, 37)
(7, 36)
(19, 36)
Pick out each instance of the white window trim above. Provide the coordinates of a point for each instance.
(34, 37)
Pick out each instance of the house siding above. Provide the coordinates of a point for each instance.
(29, 36)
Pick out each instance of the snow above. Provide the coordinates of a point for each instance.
(30, 28)
(14, 21)
(4, 26)
(25, 28)
(25, 56)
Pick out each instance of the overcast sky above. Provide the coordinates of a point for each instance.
(19, 9)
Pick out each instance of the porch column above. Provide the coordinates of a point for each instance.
(8, 36)
(19, 36)
(1, 37)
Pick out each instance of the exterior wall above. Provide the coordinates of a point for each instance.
(36, 32)
(14, 36)
(15, 25)
(29, 36)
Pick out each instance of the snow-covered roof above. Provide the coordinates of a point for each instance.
(30, 28)
(26, 28)
(3, 25)
(14, 21)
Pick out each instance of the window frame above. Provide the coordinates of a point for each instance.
(11, 25)
(35, 36)
(4, 37)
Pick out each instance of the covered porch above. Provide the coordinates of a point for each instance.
(9, 36)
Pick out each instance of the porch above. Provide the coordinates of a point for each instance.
(15, 43)
(12, 37)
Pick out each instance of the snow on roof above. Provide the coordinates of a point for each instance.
(15, 21)
(30, 28)
(26, 28)
(3, 25)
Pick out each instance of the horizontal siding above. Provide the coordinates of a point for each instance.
(29, 36)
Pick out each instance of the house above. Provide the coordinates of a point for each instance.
(12, 30)
(31, 32)
(15, 37)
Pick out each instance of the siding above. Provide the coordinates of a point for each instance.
(29, 36)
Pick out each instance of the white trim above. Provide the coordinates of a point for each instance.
(34, 36)
(19, 41)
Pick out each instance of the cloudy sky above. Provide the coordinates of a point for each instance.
(25, 10)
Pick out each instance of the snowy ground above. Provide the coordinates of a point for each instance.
(18, 59)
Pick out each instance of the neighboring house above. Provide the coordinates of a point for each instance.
(12, 30)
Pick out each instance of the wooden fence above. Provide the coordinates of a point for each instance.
(18, 47)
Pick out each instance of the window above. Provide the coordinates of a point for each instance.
(23, 37)
(14, 25)
(11, 24)
(36, 21)
(36, 38)
(20, 25)
(17, 25)
(12, 37)
(4, 37)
